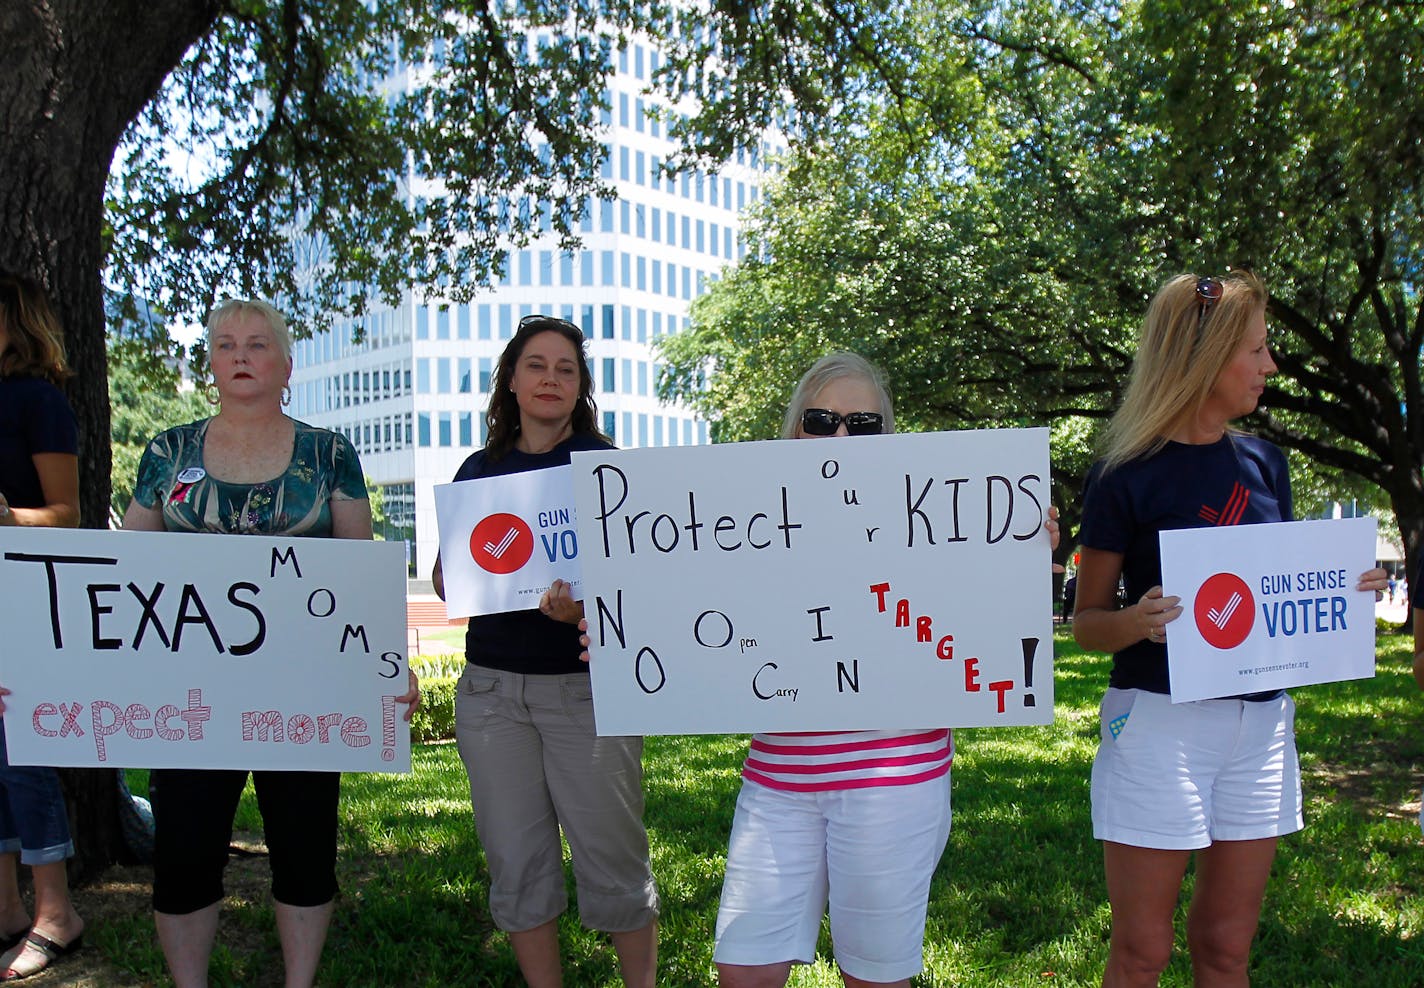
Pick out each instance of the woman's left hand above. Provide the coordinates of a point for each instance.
(558, 603)
(1376, 579)
(584, 640)
(1050, 525)
(412, 697)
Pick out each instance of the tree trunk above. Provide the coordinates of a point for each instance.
(76, 75)
(1409, 513)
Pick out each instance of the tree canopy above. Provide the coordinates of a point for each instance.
(332, 152)
(989, 227)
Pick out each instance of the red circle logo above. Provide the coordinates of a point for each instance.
(1225, 610)
(502, 543)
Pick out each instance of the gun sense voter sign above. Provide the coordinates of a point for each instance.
(504, 539)
(1268, 607)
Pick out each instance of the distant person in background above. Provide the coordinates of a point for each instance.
(524, 706)
(248, 470)
(1070, 594)
(1216, 778)
(1419, 629)
(39, 486)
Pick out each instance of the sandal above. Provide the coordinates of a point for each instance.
(51, 950)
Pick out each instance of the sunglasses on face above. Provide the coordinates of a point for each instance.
(824, 422)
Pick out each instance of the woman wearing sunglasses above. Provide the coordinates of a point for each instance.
(856, 819)
(1216, 777)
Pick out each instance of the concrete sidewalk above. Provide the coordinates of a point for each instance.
(1396, 612)
(425, 616)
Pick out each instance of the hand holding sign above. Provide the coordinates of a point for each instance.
(558, 603)
(1155, 612)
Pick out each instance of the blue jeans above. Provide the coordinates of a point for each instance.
(33, 820)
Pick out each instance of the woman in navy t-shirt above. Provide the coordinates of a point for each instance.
(524, 705)
(39, 486)
(1216, 777)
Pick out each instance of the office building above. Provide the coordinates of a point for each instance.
(411, 395)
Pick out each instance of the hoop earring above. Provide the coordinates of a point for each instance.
(286, 395)
(210, 392)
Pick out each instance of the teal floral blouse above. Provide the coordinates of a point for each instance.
(172, 478)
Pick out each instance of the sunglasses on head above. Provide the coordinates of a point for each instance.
(824, 422)
(1208, 294)
(548, 322)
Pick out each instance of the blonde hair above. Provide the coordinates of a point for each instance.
(833, 367)
(36, 341)
(1180, 353)
(235, 307)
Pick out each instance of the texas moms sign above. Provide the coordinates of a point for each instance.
(874, 582)
(1266, 607)
(156, 650)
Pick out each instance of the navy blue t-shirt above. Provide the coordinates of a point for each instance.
(525, 641)
(1238, 480)
(34, 418)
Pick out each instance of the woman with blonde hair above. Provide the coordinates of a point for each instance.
(1218, 778)
(39, 486)
(248, 470)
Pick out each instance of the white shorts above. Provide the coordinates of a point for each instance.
(1179, 776)
(870, 852)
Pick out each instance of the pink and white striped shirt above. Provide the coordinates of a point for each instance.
(833, 760)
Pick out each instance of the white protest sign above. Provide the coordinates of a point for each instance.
(878, 582)
(1266, 607)
(165, 650)
(504, 539)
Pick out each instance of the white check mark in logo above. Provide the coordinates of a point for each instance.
(497, 550)
(1223, 615)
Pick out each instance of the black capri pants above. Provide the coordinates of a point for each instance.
(193, 810)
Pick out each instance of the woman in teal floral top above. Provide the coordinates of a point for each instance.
(248, 470)
(324, 468)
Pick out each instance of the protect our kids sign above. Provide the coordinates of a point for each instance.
(873, 582)
(158, 650)
(504, 539)
(1267, 607)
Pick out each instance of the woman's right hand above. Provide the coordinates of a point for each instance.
(3, 693)
(1155, 612)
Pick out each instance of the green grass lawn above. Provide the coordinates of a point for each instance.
(1018, 898)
